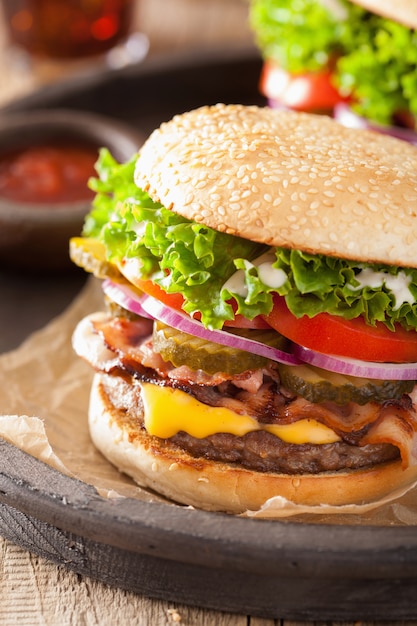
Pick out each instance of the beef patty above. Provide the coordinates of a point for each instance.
(258, 450)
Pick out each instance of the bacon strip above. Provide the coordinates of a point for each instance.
(398, 426)
(345, 418)
(123, 336)
(112, 344)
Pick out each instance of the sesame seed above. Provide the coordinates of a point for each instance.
(246, 170)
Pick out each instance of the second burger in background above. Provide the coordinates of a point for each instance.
(355, 60)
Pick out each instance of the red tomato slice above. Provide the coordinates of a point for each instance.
(242, 322)
(331, 334)
(309, 91)
(176, 300)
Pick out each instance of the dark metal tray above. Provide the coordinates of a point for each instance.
(272, 569)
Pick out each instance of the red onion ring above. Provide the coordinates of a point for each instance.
(345, 116)
(123, 295)
(353, 367)
(152, 308)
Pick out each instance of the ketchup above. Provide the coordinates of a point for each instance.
(48, 173)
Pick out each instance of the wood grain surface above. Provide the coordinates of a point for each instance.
(35, 592)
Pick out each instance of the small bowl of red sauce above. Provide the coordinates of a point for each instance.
(46, 160)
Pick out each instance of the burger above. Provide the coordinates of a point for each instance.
(354, 59)
(259, 336)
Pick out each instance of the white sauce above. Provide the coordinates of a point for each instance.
(270, 276)
(236, 284)
(397, 285)
(131, 268)
(139, 228)
(275, 278)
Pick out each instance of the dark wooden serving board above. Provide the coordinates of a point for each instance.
(273, 569)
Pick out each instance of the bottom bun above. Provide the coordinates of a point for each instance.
(214, 486)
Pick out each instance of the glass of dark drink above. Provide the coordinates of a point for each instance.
(65, 31)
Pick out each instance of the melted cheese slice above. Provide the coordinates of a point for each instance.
(168, 411)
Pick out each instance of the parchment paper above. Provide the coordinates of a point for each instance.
(44, 394)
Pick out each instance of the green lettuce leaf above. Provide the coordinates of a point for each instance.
(114, 185)
(380, 68)
(184, 257)
(322, 284)
(178, 254)
(299, 34)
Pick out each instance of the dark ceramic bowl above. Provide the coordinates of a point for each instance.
(35, 236)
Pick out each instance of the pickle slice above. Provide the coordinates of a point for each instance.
(115, 310)
(183, 349)
(90, 254)
(318, 385)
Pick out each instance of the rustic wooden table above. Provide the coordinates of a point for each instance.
(35, 591)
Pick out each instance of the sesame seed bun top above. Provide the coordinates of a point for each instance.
(287, 179)
(402, 11)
